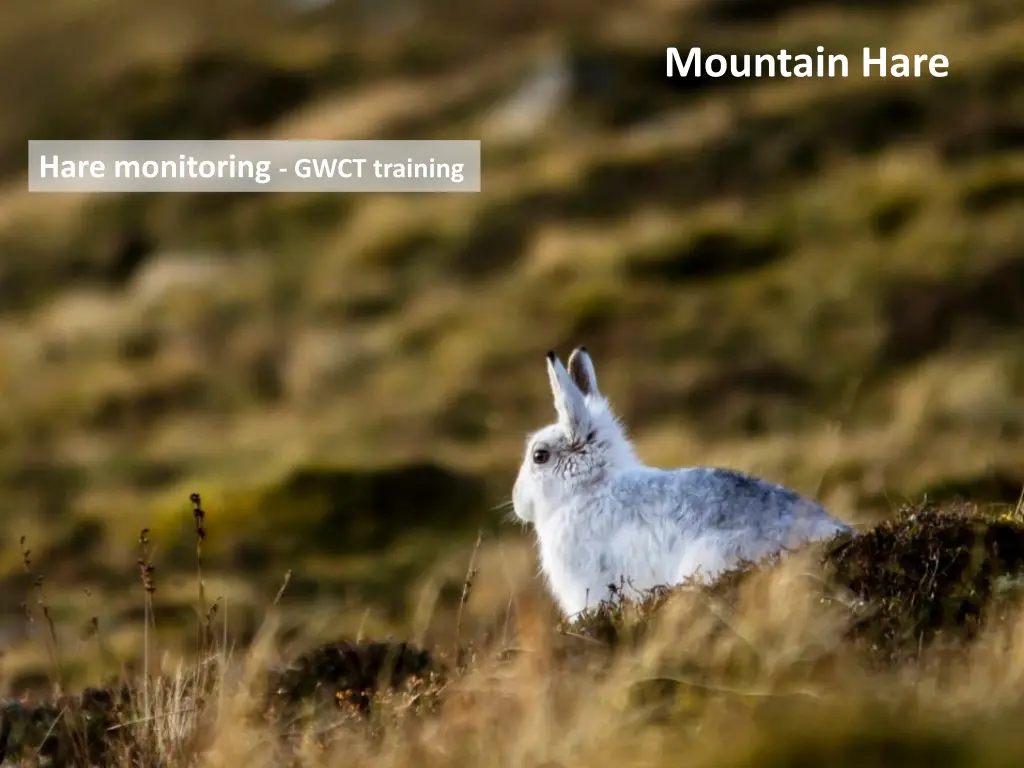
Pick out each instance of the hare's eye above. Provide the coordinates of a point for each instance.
(541, 455)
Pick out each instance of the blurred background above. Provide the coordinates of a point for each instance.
(821, 281)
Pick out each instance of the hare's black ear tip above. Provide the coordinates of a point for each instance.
(550, 355)
(584, 350)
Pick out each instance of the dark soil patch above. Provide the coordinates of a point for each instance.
(70, 730)
(922, 316)
(335, 510)
(619, 88)
(996, 487)
(757, 11)
(709, 255)
(142, 408)
(890, 217)
(351, 671)
(982, 198)
(83, 729)
(210, 95)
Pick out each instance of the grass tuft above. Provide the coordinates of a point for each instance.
(915, 615)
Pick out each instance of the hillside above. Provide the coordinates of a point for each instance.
(821, 281)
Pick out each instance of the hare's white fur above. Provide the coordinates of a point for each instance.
(603, 519)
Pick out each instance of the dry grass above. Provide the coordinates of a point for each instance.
(771, 665)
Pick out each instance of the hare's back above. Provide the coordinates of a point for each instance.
(718, 499)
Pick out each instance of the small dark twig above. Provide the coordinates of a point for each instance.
(467, 585)
(199, 520)
(146, 570)
(284, 586)
(53, 646)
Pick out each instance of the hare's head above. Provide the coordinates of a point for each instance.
(579, 451)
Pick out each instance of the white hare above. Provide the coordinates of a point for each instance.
(603, 518)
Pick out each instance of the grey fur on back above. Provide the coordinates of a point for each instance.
(725, 504)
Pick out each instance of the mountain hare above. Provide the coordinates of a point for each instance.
(603, 519)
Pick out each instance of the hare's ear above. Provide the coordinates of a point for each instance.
(569, 403)
(581, 370)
